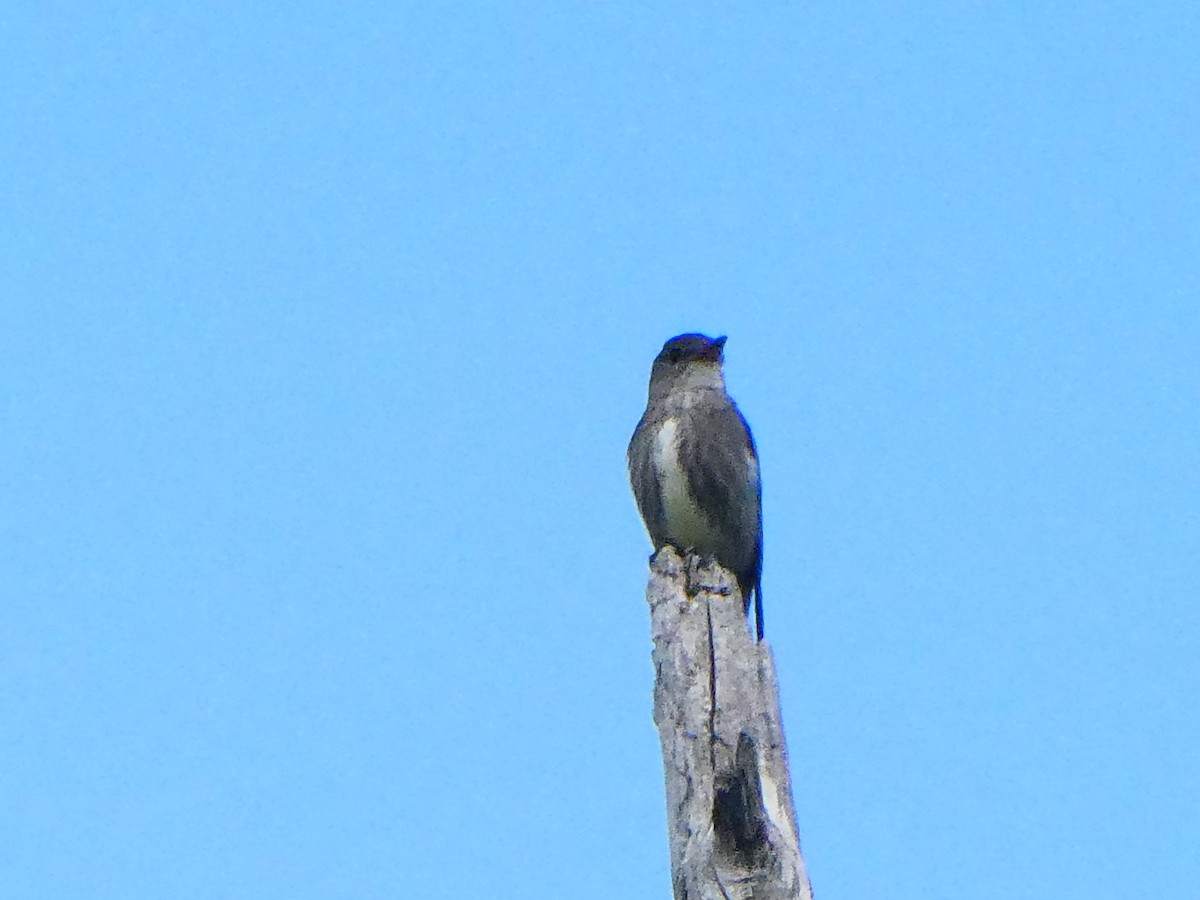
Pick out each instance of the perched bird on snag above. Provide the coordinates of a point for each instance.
(693, 466)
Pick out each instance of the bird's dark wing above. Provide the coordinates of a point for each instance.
(724, 479)
(644, 480)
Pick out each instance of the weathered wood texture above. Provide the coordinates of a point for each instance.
(731, 823)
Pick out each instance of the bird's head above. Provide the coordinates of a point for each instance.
(688, 360)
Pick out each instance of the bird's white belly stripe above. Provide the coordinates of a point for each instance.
(686, 524)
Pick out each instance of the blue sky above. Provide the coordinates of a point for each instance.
(322, 332)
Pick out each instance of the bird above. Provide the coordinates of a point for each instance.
(694, 468)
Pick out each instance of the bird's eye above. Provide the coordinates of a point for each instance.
(674, 354)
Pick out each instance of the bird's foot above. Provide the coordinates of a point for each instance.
(703, 574)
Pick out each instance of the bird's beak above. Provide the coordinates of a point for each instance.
(717, 352)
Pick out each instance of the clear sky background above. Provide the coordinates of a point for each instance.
(323, 328)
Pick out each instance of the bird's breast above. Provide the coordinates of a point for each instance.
(687, 526)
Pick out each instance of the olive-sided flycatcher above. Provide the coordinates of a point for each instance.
(693, 466)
